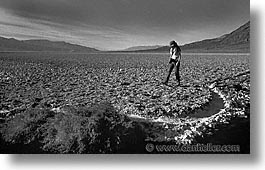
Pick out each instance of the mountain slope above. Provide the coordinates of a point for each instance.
(11, 44)
(236, 41)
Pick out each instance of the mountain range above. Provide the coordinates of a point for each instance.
(136, 48)
(237, 41)
(11, 44)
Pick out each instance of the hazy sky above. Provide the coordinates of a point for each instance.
(117, 24)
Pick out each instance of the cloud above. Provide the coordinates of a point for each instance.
(117, 24)
(80, 33)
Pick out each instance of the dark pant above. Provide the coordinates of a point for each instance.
(172, 64)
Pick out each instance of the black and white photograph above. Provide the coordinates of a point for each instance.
(125, 77)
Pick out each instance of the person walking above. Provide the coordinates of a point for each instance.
(174, 61)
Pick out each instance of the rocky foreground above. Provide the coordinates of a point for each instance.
(93, 104)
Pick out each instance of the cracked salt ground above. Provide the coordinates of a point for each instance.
(214, 106)
(129, 82)
(155, 100)
(218, 111)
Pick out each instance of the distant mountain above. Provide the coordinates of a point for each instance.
(136, 48)
(236, 41)
(11, 44)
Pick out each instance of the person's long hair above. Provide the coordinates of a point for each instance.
(175, 45)
(178, 48)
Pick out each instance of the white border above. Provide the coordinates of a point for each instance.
(253, 161)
